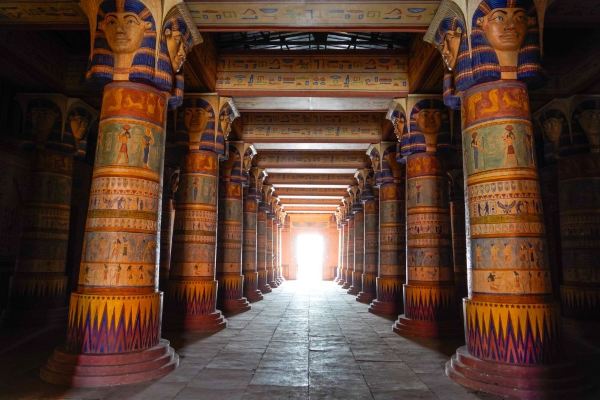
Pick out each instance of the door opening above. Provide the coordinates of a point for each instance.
(310, 248)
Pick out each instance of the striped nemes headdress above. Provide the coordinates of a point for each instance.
(414, 141)
(144, 67)
(484, 60)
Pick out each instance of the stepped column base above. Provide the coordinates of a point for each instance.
(539, 382)
(87, 370)
(428, 329)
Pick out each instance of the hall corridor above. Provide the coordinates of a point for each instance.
(300, 342)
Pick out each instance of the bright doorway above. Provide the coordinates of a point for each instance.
(310, 250)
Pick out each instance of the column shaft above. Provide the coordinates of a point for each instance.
(359, 252)
(230, 296)
(371, 235)
(191, 302)
(430, 308)
(249, 256)
(261, 250)
(269, 253)
(349, 253)
(391, 273)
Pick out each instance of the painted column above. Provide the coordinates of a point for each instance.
(513, 345)
(343, 243)
(230, 297)
(192, 289)
(115, 311)
(269, 255)
(338, 271)
(277, 246)
(261, 242)
(359, 244)
(391, 274)
(430, 307)
(349, 248)
(170, 185)
(580, 217)
(56, 127)
(286, 247)
(370, 198)
(249, 256)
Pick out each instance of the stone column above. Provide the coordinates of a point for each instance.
(390, 277)
(286, 247)
(359, 244)
(511, 321)
(349, 247)
(269, 237)
(192, 289)
(55, 128)
(230, 297)
(277, 246)
(115, 312)
(344, 247)
(261, 244)
(579, 204)
(170, 185)
(249, 256)
(370, 200)
(430, 307)
(340, 230)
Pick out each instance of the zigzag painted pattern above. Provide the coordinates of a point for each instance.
(580, 301)
(429, 303)
(231, 287)
(525, 334)
(113, 324)
(389, 290)
(192, 297)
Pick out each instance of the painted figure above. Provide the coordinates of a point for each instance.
(123, 138)
(147, 141)
(510, 159)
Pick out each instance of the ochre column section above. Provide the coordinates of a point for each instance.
(511, 322)
(261, 248)
(249, 256)
(286, 248)
(191, 303)
(359, 249)
(369, 276)
(269, 254)
(38, 289)
(229, 258)
(115, 312)
(391, 244)
(430, 308)
(349, 250)
(579, 192)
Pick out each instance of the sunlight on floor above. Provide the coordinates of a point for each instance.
(309, 254)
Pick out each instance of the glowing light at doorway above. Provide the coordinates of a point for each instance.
(310, 249)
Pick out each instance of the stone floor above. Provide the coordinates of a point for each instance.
(301, 342)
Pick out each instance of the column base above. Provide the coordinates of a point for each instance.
(554, 381)
(340, 281)
(273, 284)
(191, 306)
(87, 370)
(346, 285)
(356, 286)
(428, 329)
(237, 306)
(254, 296)
(353, 290)
(265, 289)
(385, 309)
(365, 297)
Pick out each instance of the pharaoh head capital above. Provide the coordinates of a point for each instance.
(589, 120)
(553, 127)
(399, 126)
(429, 122)
(195, 120)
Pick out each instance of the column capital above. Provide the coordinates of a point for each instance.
(55, 121)
(155, 48)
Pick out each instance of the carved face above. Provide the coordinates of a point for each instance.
(124, 31)
(590, 123)
(42, 122)
(79, 125)
(505, 28)
(225, 121)
(195, 119)
(449, 47)
(247, 163)
(553, 128)
(375, 161)
(429, 121)
(399, 124)
(176, 48)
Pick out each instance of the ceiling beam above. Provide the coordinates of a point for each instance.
(310, 179)
(312, 159)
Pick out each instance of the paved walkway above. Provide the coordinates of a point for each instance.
(300, 342)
